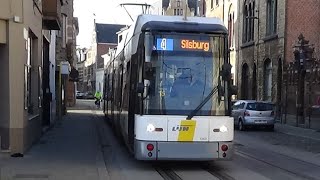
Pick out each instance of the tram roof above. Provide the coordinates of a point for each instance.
(157, 22)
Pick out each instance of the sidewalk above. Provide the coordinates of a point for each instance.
(297, 131)
(71, 150)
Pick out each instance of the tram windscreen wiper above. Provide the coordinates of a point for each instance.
(195, 111)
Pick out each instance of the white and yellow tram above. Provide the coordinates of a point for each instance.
(167, 90)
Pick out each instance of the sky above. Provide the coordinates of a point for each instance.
(104, 11)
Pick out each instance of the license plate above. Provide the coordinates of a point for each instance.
(260, 121)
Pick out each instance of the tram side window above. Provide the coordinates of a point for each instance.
(110, 87)
(126, 88)
(113, 80)
(117, 88)
(106, 86)
(120, 86)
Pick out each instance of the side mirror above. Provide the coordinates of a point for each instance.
(234, 90)
(226, 72)
(148, 71)
(220, 91)
(140, 88)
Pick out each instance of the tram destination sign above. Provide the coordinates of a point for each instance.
(169, 44)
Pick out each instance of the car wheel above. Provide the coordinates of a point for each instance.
(241, 126)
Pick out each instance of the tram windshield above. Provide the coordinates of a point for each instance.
(185, 69)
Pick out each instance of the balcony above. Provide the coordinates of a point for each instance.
(51, 14)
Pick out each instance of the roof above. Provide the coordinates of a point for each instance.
(107, 33)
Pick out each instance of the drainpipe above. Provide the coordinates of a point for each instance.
(258, 51)
(223, 11)
(238, 48)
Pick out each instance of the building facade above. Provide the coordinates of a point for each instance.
(226, 10)
(178, 7)
(104, 38)
(261, 49)
(66, 52)
(28, 35)
(21, 61)
(81, 68)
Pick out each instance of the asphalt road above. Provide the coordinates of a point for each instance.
(259, 155)
(83, 146)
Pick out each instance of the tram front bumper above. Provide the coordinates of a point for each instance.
(175, 151)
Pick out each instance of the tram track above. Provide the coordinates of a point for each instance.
(248, 156)
(171, 173)
(168, 174)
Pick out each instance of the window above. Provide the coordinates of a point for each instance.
(64, 30)
(241, 106)
(238, 105)
(252, 20)
(260, 106)
(271, 17)
(211, 4)
(31, 74)
(217, 2)
(178, 3)
(178, 12)
(248, 21)
(231, 28)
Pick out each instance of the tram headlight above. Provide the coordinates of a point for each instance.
(150, 128)
(223, 129)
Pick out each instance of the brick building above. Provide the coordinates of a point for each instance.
(302, 17)
(301, 84)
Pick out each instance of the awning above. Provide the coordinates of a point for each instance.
(3, 32)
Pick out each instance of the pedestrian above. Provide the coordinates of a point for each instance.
(98, 97)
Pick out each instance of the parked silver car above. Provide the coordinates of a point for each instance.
(252, 113)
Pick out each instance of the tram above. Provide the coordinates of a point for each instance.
(168, 89)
